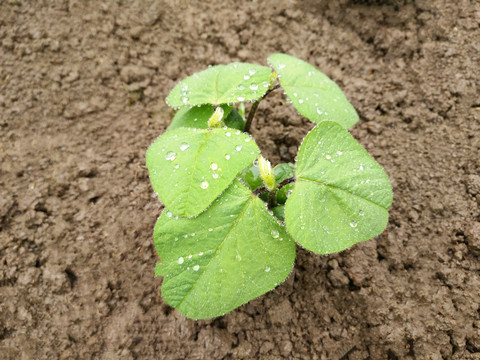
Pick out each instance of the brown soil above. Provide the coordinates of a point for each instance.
(82, 85)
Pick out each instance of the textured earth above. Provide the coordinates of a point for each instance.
(82, 88)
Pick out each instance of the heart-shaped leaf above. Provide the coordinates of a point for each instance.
(230, 254)
(190, 167)
(197, 117)
(313, 94)
(341, 194)
(222, 84)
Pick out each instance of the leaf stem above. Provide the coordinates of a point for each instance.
(272, 198)
(254, 107)
(282, 184)
(250, 116)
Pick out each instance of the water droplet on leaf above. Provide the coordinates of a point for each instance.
(170, 156)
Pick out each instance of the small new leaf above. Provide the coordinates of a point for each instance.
(216, 118)
(197, 117)
(266, 172)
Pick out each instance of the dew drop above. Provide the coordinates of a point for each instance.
(227, 157)
(247, 139)
(246, 77)
(238, 147)
(184, 146)
(361, 168)
(238, 257)
(170, 156)
(339, 153)
(328, 157)
(267, 268)
(213, 166)
(228, 134)
(281, 66)
(300, 101)
(275, 234)
(200, 253)
(295, 94)
(180, 260)
(215, 176)
(196, 267)
(241, 87)
(204, 185)
(210, 229)
(253, 87)
(353, 224)
(240, 98)
(319, 112)
(251, 72)
(361, 212)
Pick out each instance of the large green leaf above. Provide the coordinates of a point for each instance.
(341, 194)
(197, 117)
(313, 94)
(189, 168)
(222, 84)
(230, 254)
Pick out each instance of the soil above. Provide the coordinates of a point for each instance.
(82, 88)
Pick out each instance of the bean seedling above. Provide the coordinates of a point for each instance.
(228, 231)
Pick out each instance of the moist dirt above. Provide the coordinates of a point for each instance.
(82, 88)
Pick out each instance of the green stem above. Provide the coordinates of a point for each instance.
(272, 198)
(248, 124)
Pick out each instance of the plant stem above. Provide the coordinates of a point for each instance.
(248, 124)
(272, 198)
(250, 116)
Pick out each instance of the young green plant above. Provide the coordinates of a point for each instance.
(228, 231)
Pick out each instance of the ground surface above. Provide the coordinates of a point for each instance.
(77, 209)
